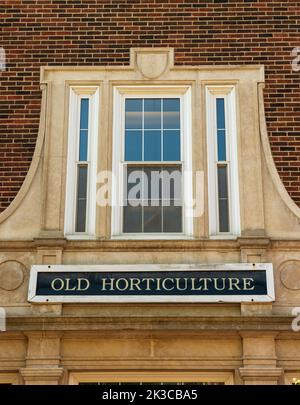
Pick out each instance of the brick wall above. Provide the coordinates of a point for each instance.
(79, 32)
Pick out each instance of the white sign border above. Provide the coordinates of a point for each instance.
(268, 267)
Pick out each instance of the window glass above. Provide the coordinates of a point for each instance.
(81, 198)
(133, 145)
(153, 201)
(133, 113)
(153, 193)
(222, 166)
(171, 145)
(82, 167)
(84, 126)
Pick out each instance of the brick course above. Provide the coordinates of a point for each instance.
(86, 32)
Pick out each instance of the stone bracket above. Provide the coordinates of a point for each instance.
(42, 376)
(261, 375)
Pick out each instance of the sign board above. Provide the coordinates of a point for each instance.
(238, 282)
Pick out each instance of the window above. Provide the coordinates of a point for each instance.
(82, 162)
(152, 178)
(223, 189)
(152, 156)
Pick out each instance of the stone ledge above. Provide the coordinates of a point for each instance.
(266, 373)
(41, 376)
(172, 323)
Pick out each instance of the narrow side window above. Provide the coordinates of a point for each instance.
(81, 162)
(223, 187)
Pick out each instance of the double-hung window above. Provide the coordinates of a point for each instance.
(152, 163)
(223, 185)
(82, 162)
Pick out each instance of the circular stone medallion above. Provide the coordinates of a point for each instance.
(290, 274)
(11, 275)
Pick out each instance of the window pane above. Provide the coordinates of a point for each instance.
(133, 145)
(152, 113)
(153, 219)
(171, 145)
(153, 175)
(172, 182)
(222, 182)
(220, 113)
(152, 145)
(171, 113)
(84, 122)
(145, 212)
(132, 219)
(84, 113)
(223, 199)
(133, 113)
(144, 183)
(223, 216)
(221, 144)
(135, 183)
(172, 219)
(81, 199)
(83, 145)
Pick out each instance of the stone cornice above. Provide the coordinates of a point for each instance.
(201, 323)
(150, 245)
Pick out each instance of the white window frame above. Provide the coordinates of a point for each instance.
(229, 94)
(120, 93)
(76, 94)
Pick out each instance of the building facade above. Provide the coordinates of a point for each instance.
(180, 256)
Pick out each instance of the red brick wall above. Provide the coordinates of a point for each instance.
(79, 32)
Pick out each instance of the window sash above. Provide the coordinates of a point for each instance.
(119, 154)
(223, 185)
(146, 119)
(80, 210)
(160, 205)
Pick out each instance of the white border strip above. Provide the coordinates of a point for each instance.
(268, 267)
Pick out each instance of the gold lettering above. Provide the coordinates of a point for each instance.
(216, 284)
(158, 284)
(68, 288)
(119, 280)
(110, 282)
(205, 281)
(80, 287)
(164, 284)
(61, 281)
(233, 282)
(147, 281)
(178, 284)
(247, 282)
(135, 284)
(193, 287)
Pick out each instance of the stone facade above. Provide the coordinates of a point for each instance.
(240, 343)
